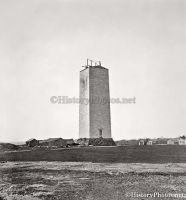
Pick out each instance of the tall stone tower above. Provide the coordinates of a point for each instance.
(94, 115)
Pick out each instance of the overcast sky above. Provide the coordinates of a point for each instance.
(44, 43)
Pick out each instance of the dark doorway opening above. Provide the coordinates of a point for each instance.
(100, 132)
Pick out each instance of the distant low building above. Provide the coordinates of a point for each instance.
(32, 142)
(170, 142)
(141, 142)
(149, 142)
(146, 141)
(173, 141)
(160, 141)
(182, 140)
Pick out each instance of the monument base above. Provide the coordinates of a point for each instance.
(96, 141)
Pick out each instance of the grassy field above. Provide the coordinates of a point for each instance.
(93, 173)
(90, 181)
(125, 154)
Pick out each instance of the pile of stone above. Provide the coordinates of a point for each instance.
(96, 141)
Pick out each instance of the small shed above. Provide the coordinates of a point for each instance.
(171, 141)
(141, 142)
(149, 142)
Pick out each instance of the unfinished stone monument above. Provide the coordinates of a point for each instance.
(94, 107)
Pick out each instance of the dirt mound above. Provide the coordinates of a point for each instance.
(8, 147)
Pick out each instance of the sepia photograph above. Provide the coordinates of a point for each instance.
(93, 99)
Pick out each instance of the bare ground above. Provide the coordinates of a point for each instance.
(90, 181)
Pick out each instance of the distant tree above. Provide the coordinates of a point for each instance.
(145, 141)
